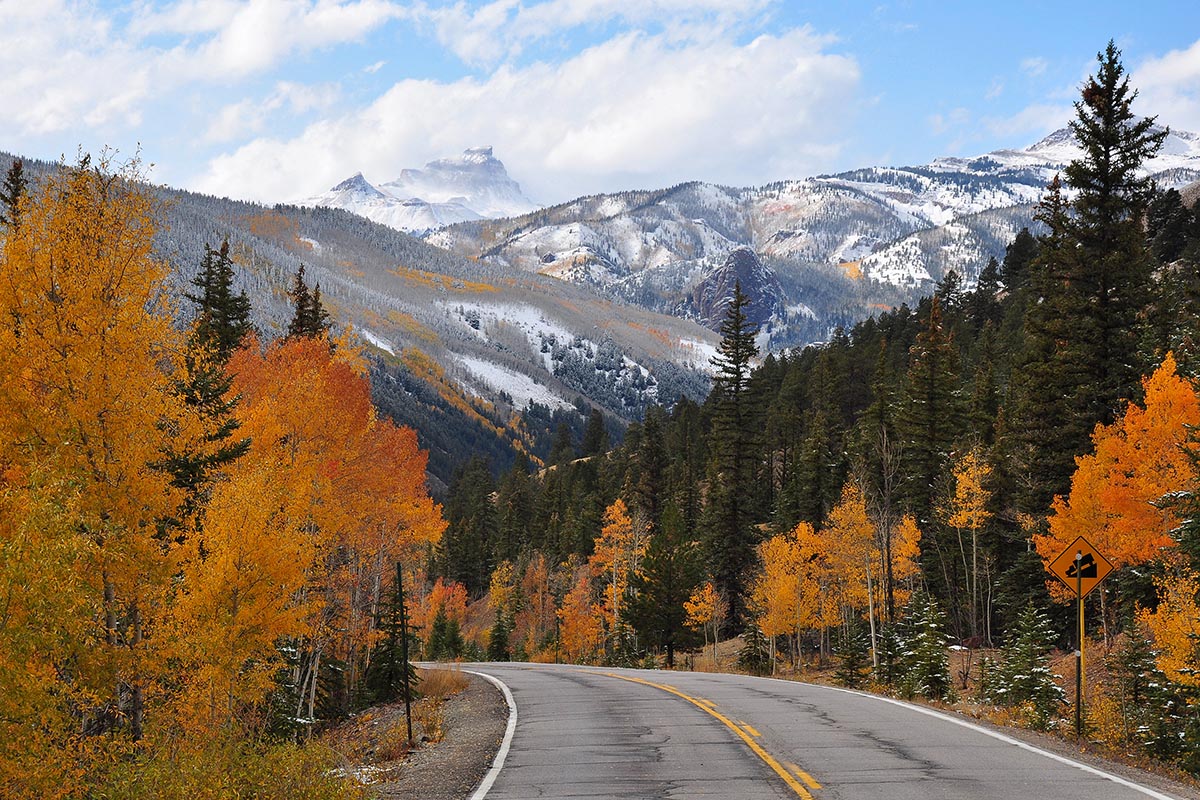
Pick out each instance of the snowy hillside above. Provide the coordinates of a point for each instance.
(898, 229)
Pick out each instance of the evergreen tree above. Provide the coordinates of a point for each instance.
(671, 571)
(222, 318)
(1023, 676)
(730, 516)
(755, 655)
(595, 435)
(14, 188)
(445, 638)
(387, 671)
(1114, 266)
(853, 655)
(1050, 422)
(926, 660)
(515, 504)
(222, 322)
(309, 317)
(465, 551)
(930, 417)
(1137, 685)
(499, 639)
(1167, 225)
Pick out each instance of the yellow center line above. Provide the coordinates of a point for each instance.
(804, 776)
(766, 757)
(750, 730)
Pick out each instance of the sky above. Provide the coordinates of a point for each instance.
(277, 100)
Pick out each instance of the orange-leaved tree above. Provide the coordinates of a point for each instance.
(1138, 460)
(87, 409)
(968, 509)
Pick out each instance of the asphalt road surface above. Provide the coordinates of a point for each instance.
(613, 733)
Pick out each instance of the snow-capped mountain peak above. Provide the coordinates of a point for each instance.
(471, 186)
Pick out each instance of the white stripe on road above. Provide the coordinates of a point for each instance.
(1010, 740)
(498, 764)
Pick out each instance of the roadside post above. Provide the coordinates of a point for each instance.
(1080, 567)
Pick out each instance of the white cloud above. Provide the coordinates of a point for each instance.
(373, 68)
(1030, 123)
(637, 110)
(995, 90)
(65, 65)
(1169, 88)
(502, 28)
(1034, 66)
(250, 116)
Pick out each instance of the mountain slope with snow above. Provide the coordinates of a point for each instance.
(900, 229)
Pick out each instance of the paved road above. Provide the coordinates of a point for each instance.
(609, 733)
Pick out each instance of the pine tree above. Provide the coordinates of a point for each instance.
(595, 436)
(731, 535)
(467, 547)
(1024, 676)
(499, 639)
(755, 655)
(926, 661)
(14, 188)
(853, 655)
(222, 318)
(671, 571)
(309, 317)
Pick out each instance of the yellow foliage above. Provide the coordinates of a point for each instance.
(1138, 459)
(1175, 625)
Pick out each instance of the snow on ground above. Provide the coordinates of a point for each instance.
(520, 387)
(698, 353)
(375, 339)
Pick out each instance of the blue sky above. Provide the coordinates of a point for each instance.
(275, 100)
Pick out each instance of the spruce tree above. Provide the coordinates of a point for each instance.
(930, 417)
(387, 671)
(926, 661)
(1024, 677)
(222, 318)
(731, 536)
(14, 188)
(309, 317)
(671, 570)
(755, 655)
(853, 655)
(467, 546)
(1114, 265)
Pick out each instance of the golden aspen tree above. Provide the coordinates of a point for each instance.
(967, 509)
(533, 626)
(704, 612)
(616, 559)
(1138, 460)
(1175, 625)
(87, 407)
(581, 629)
(850, 537)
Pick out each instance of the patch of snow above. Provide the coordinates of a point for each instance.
(375, 339)
(520, 387)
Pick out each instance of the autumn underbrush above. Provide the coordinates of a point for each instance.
(228, 769)
(379, 735)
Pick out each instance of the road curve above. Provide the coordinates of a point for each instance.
(593, 732)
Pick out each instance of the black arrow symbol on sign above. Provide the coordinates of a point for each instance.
(1087, 567)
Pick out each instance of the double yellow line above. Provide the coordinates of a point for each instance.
(744, 731)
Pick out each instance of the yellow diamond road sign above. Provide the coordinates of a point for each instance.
(1082, 566)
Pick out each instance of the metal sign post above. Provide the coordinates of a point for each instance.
(1082, 568)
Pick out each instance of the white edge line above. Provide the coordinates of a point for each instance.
(498, 763)
(1010, 740)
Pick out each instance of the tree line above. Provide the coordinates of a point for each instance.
(904, 484)
(198, 530)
